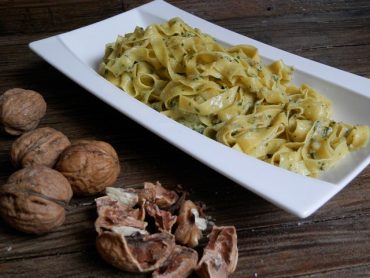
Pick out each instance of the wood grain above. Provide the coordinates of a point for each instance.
(335, 241)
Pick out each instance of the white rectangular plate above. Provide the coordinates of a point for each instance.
(78, 53)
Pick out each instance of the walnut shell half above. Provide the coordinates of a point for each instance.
(33, 199)
(41, 146)
(140, 253)
(89, 166)
(21, 110)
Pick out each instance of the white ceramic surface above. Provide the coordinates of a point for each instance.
(78, 53)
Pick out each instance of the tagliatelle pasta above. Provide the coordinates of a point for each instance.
(227, 94)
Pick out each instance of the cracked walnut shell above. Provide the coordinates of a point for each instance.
(34, 198)
(189, 224)
(89, 166)
(21, 110)
(41, 146)
(180, 264)
(220, 256)
(136, 253)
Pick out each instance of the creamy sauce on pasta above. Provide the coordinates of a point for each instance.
(227, 94)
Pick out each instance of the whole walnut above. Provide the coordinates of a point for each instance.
(41, 146)
(33, 200)
(90, 166)
(21, 110)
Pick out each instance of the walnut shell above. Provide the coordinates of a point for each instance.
(41, 146)
(135, 253)
(180, 264)
(33, 199)
(21, 110)
(90, 166)
(220, 256)
(157, 194)
(189, 224)
(113, 214)
(163, 219)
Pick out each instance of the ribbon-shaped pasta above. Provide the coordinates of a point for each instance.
(227, 94)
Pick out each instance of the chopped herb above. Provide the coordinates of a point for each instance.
(348, 131)
(316, 125)
(275, 77)
(313, 155)
(326, 131)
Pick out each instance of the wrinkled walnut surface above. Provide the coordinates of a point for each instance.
(33, 199)
(21, 110)
(41, 146)
(89, 166)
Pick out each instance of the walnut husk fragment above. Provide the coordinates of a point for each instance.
(33, 200)
(41, 146)
(135, 233)
(189, 224)
(112, 214)
(89, 166)
(21, 110)
(180, 264)
(136, 253)
(157, 194)
(163, 219)
(122, 239)
(220, 256)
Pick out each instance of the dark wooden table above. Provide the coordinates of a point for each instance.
(335, 241)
